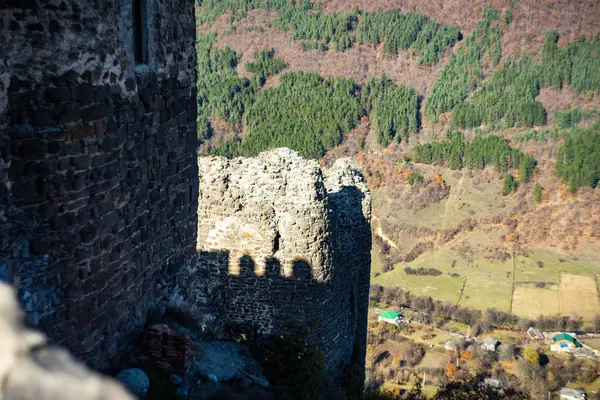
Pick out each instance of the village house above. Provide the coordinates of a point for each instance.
(391, 317)
(490, 344)
(535, 334)
(572, 394)
(564, 342)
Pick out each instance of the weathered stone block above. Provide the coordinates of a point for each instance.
(80, 131)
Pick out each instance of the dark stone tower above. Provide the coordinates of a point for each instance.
(99, 177)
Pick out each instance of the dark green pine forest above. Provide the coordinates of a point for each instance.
(310, 113)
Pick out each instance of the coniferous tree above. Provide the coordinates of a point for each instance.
(304, 112)
(578, 161)
(393, 109)
(265, 65)
(537, 193)
(406, 31)
(509, 185)
(464, 72)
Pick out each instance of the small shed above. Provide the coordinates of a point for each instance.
(490, 344)
(391, 317)
(535, 334)
(564, 340)
(572, 394)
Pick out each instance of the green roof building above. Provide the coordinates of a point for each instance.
(392, 317)
(566, 340)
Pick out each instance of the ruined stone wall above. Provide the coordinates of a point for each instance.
(99, 196)
(32, 370)
(350, 219)
(283, 244)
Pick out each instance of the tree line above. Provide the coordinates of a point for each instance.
(464, 72)
(507, 96)
(577, 63)
(339, 31)
(305, 22)
(310, 114)
(456, 153)
(305, 112)
(414, 31)
(222, 94)
(429, 311)
(393, 110)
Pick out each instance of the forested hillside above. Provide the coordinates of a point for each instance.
(476, 125)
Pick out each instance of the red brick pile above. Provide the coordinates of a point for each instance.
(168, 349)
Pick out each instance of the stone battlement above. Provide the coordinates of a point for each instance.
(284, 243)
(106, 209)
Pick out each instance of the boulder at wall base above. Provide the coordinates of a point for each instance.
(135, 380)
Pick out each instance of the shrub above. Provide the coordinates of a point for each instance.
(422, 271)
(289, 361)
(415, 178)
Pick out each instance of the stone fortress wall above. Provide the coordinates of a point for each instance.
(106, 210)
(96, 204)
(284, 244)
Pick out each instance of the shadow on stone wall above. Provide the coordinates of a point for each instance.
(268, 302)
(326, 302)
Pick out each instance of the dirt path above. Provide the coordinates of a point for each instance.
(379, 232)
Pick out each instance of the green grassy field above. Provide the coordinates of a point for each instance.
(530, 301)
(489, 282)
(477, 266)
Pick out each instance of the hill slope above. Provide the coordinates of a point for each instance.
(526, 71)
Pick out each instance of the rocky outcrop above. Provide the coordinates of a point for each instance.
(30, 370)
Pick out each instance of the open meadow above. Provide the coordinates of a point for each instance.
(579, 296)
(544, 282)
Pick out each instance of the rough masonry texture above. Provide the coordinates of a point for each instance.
(99, 196)
(282, 245)
(106, 211)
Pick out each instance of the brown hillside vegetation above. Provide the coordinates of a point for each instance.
(569, 18)
(357, 63)
(555, 99)
(456, 221)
